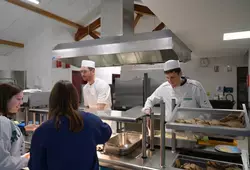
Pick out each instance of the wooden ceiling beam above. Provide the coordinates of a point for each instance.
(159, 27)
(44, 13)
(94, 35)
(143, 10)
(83, 32)
(97, 33)
(11, 43)
(137, 18)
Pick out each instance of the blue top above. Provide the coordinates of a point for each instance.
(66, 150)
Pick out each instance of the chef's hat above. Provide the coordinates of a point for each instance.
(88, 63)
(171, 64)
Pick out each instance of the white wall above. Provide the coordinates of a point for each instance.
(13, 61)
(206, 75)
(4, 62)
(105, 73)
(38, 57)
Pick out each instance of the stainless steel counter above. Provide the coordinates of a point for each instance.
(134, 160)
(132, 115)
(152, 162)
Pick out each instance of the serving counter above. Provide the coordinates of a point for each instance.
(160, 158)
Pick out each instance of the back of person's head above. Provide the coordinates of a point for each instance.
(7, 92)
(64, 101)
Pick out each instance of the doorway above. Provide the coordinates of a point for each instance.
(242, 87)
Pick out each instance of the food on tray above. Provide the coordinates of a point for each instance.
(179, 135)
(188, 166)
(209, 165)
(177, 163)
(231, 120)
(191, 166)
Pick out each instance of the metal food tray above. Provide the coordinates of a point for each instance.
(208, 114)
(202, 162)
(182, 140)
(123, 143)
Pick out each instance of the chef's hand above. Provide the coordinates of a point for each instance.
(27, 155)
(147, 111)
(100, 106)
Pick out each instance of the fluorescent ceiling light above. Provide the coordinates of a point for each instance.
(34, 1)
(236, 35)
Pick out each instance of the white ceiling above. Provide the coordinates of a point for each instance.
(198, 23)
(20, 25)
(201, 24)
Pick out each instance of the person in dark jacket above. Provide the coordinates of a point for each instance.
(69, 138)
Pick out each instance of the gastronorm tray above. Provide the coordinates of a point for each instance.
(203, 163)
(123, 143)
(182, 140)
(208, 114)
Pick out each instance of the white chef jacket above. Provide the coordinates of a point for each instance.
(98, 92)
(190, 94)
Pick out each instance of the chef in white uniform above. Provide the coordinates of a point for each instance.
(96, 92)
(186, 92)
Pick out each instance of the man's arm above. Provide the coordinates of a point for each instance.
(104, 96)
(152, 100)
(85, 98)
(201, 97)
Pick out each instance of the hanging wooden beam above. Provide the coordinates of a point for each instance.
(137, 18)
(140, 9)
(94, 35)
(83, 32)
(44, 13)
(159, 27)
(97, 33)
(11, 43)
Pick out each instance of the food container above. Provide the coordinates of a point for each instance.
(123, 143)
(203, 164)
(183, 140)
(208, 115)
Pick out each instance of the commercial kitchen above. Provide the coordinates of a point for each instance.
(43, 41)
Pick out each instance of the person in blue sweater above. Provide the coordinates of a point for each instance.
(69, 138)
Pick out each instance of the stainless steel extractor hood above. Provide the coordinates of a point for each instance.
(119, 45)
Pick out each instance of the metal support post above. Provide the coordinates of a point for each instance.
(144, 137)
(162, 128)
(26, 111)
(152, 131)
(173, 139)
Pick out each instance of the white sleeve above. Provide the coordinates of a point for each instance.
(201, 97)
(8, 162)
(85, 99)
(155, 98)
(104, 94)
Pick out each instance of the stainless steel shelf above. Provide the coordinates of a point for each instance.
(208, 114)
(133, 115)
